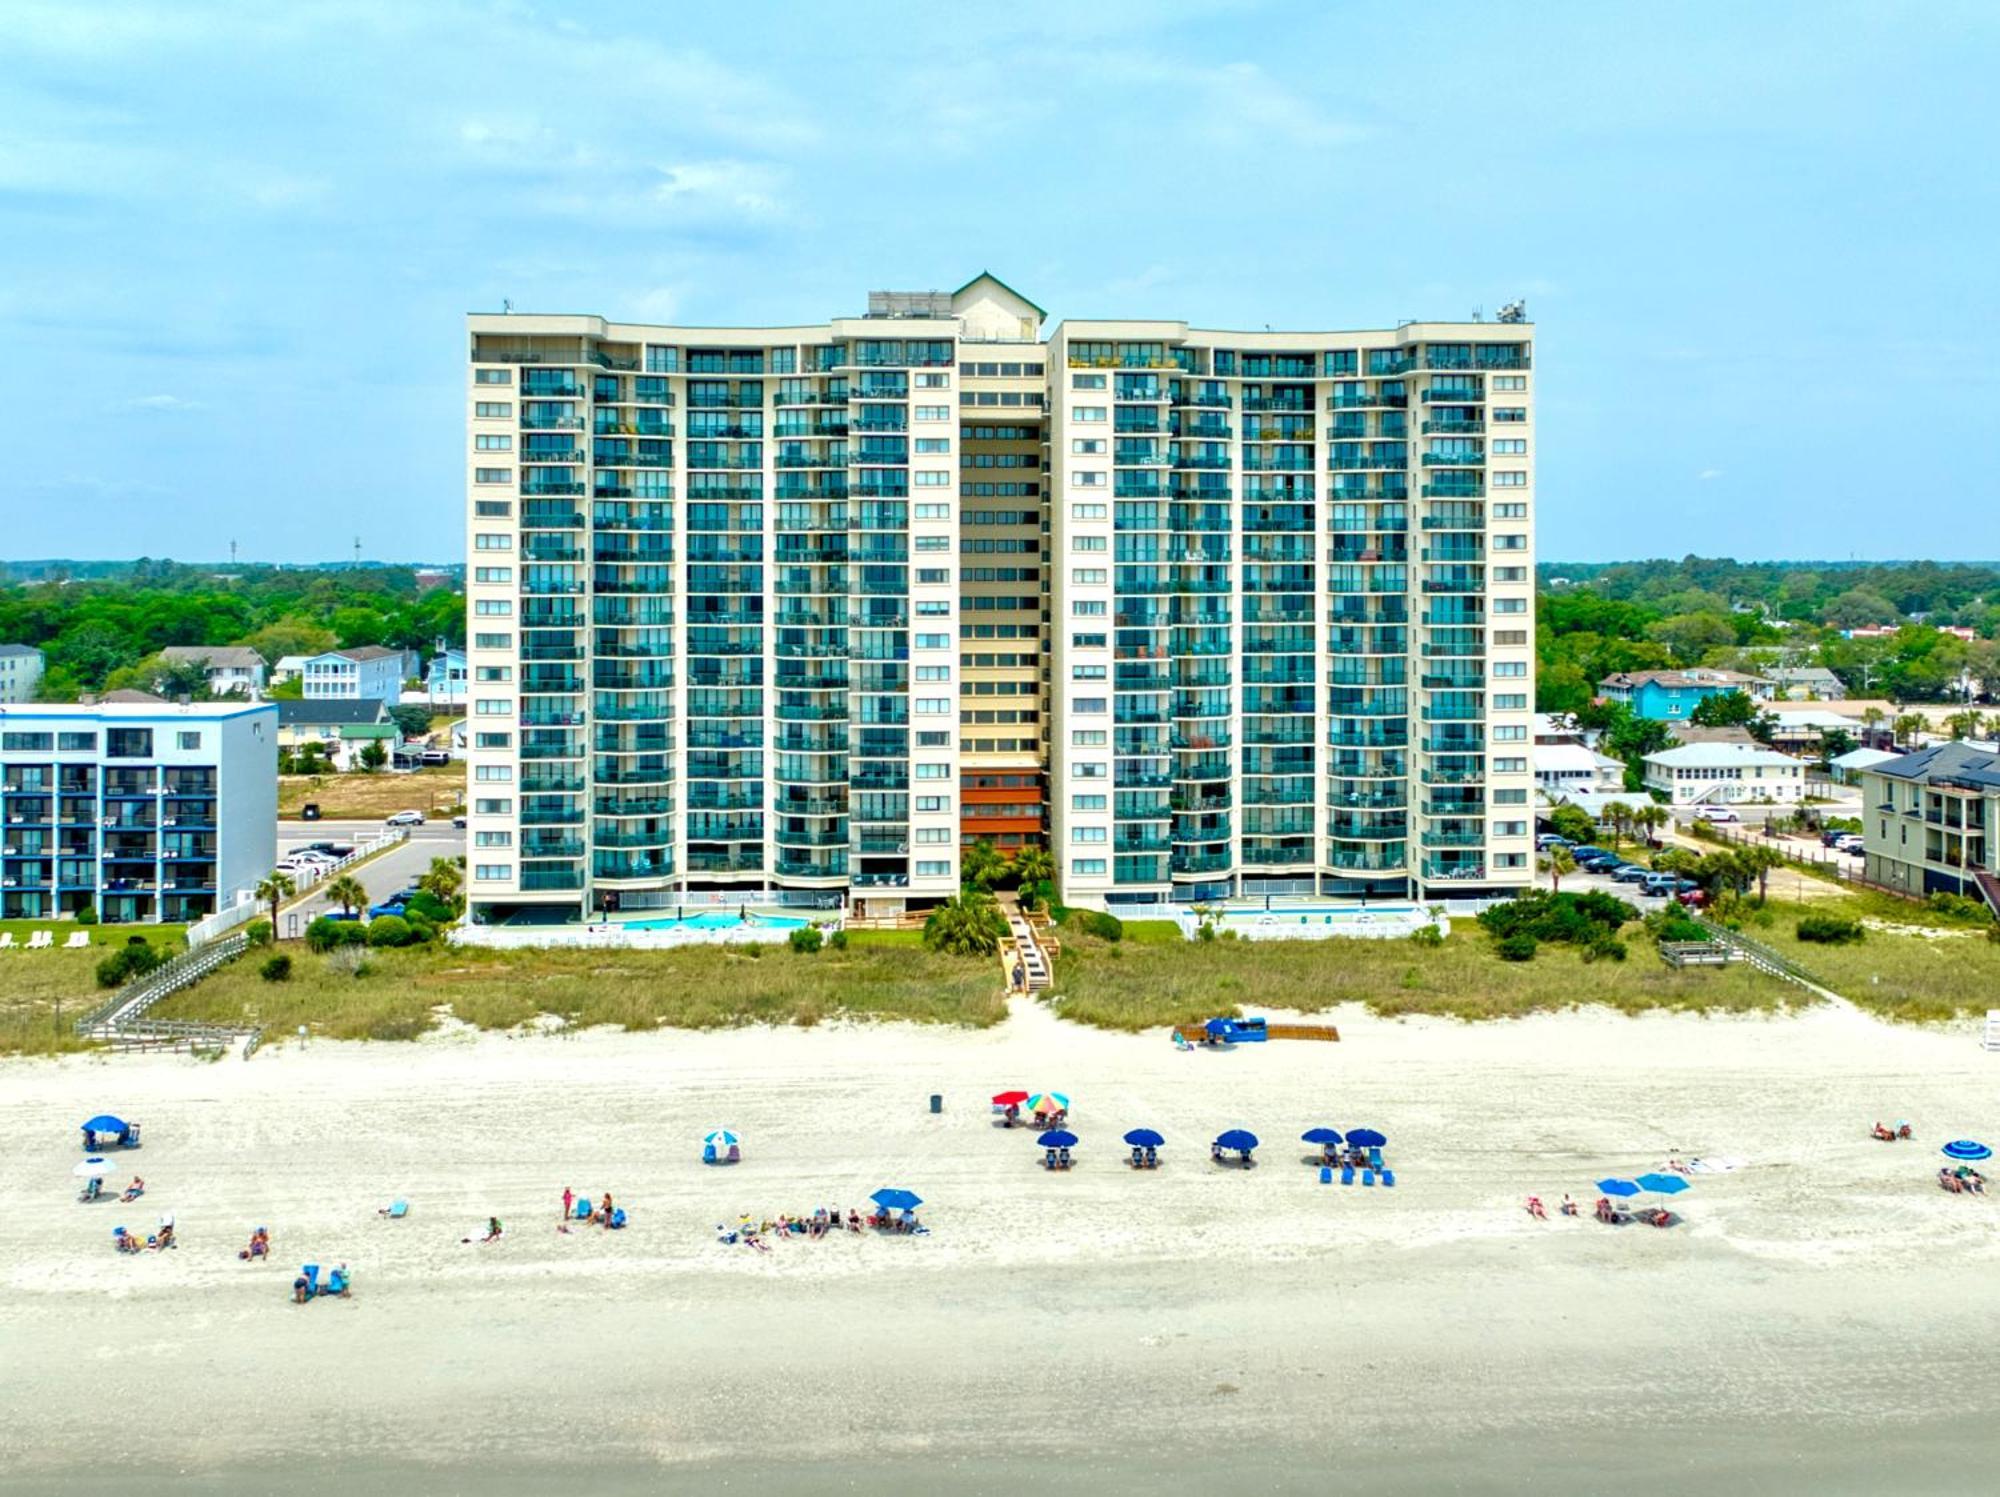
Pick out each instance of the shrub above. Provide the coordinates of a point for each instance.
(1427, 936)
(1105, 927)
(1830, 930)
(277, 968)
(422, 932)
(1605, 948)
(86, 916)
(327, 933)
(838, 940)
(1673, 925)
(1207, 931)
(1959, 907)
(427, 905)
(1519, 947)
(388, 930)
(1575, 919)
(134, 959)
(806, 940)
(258, 932)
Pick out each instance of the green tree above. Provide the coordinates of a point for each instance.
(1558, 861)
(412, 719)
(374, 755)
(1572, 822)
(442, 879)
(1727, 709)
(347, 891)
(1033, 865)
(969, 924)
(274, 890)
(982, 866)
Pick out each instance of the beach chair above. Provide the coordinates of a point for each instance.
(1326, 1174)
(617, 1218)
(397, 1210)
(1388, 1177)
(736, 1153)
(1375, 1158)
(1367, 1176)
(1152, 1156)
(708, 1153)
(336, 1281)
(1049, 1160)
(1138, 1157)
(581, 1211)
(77, 940)
(310, 1273)
(92, 1189)
(1347, 1174)
(41, 940)
(6, 940)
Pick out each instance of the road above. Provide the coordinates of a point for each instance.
(382, 876)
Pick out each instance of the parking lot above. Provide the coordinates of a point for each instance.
(395, 869)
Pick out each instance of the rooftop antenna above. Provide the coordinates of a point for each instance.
(232, 556)
(506, 306)
(1478, 314)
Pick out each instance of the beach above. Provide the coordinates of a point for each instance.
(1821, 1320)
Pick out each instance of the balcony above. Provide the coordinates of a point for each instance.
(1449, 869)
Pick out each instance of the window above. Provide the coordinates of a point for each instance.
(1510, 828)
(933, 870)
(1510, 414)
(188, 742)
(1089, 641)
(1088, 413)
(1087, 382)
(933, 641)
(930, 413)
(1088, 706)
(1088, 576)
(1088, 771)
(1511, 733)
(1089, 511)
(1089, 802)
(485, 443)
(492, 740)
(1510, 766)
(76, 743)
(1088, 446)
(1088, 672)
(932, 836)
(932, 543)
(933, 803)
(1089, 543)
(933, 771)
(492, 475)
(1510, 797)
(1088, 738)
(930, 480)
(1510, 511)
(1510, 605)
(1510, 702)
(934, 610)
(492, 509)
(1510, 670)
(492, 574)
(491, 707)
(500, 673)
(486, 540)
(492, 872)
(1086, 866)
(489, 608)
(1510, 382)
(932, 381)
(493, 376)
(1087, 480)
(1510, 446)
(1510, 480)
(492, 839)
(1512, 541)
(1088, 608)
(493, 807)
(933, 576)
(1511, 860)
(1085, 834)
(493, 772)
(493, 641)
(491, 409)
(932, 511)
(931, 706)
(933, 673)
(943, 444)
(1510, 574)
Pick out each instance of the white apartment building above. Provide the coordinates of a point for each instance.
(142, 812)
(788, 612)
(20, 672)
(1721, 774)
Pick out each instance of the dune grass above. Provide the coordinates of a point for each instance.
(44, 993)
(1134, 985)
(1902, 976)
(398, 994)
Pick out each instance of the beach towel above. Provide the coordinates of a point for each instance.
(1721, 1164)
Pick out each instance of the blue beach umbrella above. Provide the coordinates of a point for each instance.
(1617, 1188)
(1661, 1185)
(1320, 1136)
(897, 1200)
(1365, 1138)
(1965, 1148)
(1057, 1138)
(722, 1138)
(1144, 1138)
(104, 1122)
(1238, 1138)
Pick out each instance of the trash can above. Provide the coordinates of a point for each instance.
(937, 1102)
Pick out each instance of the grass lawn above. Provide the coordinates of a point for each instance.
(1153, 932)
(1132, 985)
(436, 791)
(36, 985)
(886, 940)
(1899, 976)
(394, 994)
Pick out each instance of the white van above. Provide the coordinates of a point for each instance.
(1716, 813)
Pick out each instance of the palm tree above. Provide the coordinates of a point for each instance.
(1650, 818)
(347, 892)
(443, 879)
(274, 890)
(1760, 860)
(982, 866)
(1906, 727)
(1034, 866)
(966, 925)
(1963, 724)
(1617, 816)
(1558, 861)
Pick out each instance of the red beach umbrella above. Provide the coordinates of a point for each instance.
(1010, 1099)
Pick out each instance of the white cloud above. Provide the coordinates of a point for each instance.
(1708, 475)
(734, 187)
(161, 403)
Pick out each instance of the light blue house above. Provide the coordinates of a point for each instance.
(1672, 696)
(445, 679)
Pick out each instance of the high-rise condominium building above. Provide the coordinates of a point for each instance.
(797, 612)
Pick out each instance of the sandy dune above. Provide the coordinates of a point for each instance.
(1826, 1298)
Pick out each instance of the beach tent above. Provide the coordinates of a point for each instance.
(108, 1128)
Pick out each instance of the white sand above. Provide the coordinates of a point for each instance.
(1826, 1298)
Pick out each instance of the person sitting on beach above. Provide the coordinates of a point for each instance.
(1884, 1134)
(301, 1290)
(853, 1220)
(492, 1229)
(1604, 1209)
(165, 1239)
(1215, 1152)
(1970, 1179)
(1949, 1181)
(1535, 1208)
(1013, 1114)
(1903, 1129)
(1049, 1160)
(819, 1222)
(124, 1241)
(260, 1246)
(1568, 1205)
(133, 1191)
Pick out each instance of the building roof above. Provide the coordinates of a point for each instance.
(1946, 761)
(368, 652)
(1811, 718)
(1556, 725)
(1571, 758)
(131, 706)
(1720, 756)
(1803, 675)
(19, 650)
(1703, 733)
(329, 712)
(1863, 758)
(233, 657)
(130, 694)
(292, 662)
(1694, 676)
(987, 275)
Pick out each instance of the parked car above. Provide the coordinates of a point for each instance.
(1582, 850)
(1657, 884)
(1602, 862)
(1827, 839)
(1551, 839)
(309, 811)
(1694, 899)
(334, 850)
(1849, 842)
(394, 905)
(405, 818)
(1716, 813)
(459, 822)
(1630, 873)
(304, 859)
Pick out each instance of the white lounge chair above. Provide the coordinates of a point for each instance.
(77, 939)
(41, 940)
(6, 940)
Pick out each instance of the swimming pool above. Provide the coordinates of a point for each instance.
(716, 921)
(1308, 922)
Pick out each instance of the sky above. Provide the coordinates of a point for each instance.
(237, 242)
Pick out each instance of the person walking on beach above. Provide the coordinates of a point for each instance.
(569, 1200)
(605, 1209)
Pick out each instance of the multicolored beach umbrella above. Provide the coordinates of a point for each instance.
(722, 1138)
(1048, 1102)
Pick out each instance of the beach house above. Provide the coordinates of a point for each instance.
(21, 669)
(1672, 696)
(232, 670)
(1722, 774)
(1931, 821)
(366, 672)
